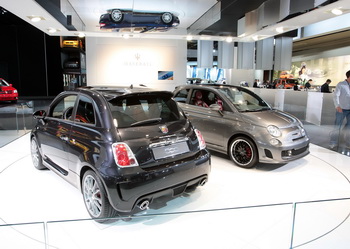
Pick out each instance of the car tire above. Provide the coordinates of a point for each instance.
(167, 18)
(95, 198)
(117, 15)
(36, 156)
(243, 152)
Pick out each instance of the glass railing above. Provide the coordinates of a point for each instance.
(319, 224)
(17, 119)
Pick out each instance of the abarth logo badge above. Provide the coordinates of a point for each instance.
(164, 129)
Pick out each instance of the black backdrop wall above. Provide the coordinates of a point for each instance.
(29, 59)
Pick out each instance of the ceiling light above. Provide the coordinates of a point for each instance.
(52, 30)
(81, 35)
(255, 37)
(337, 12)
(189, 38)
(36, 18)
(229, 39)
(279, 30)
(241, 35)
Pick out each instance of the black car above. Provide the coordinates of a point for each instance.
(138, 21)
(122, 147)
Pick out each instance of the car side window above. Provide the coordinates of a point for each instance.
(63, 109)
(85, 111)
(206, 98)
(181, 96)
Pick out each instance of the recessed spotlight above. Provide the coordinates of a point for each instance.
(189, 38)
(337, 12)
(279, 30)
(36, 18)
(52, 30)
(81, 35)
(229, 39)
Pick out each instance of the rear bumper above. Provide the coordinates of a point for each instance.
(168, 180)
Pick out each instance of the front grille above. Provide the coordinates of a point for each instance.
(296, 139)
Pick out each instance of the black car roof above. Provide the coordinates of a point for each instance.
(111, 92)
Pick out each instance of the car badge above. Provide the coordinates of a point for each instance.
(163, 129)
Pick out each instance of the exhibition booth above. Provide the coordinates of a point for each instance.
(301, 204)
(304, 203)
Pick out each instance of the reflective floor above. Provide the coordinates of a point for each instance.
(302, 204)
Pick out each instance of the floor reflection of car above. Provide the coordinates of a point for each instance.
(8, 92)
(236, 121)
(138, 21)
(121, 147)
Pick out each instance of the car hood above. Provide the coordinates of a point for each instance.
(7, 88)
(270, 117)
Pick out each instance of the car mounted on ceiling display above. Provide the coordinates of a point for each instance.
(8, 92)
(122, 147)
(139, 21)
(237, 122)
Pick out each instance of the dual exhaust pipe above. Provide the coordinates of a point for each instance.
(144, 204)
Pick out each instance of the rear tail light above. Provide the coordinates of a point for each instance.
(123, 155)
(200, 139)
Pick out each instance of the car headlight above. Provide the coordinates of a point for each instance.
(274, 131)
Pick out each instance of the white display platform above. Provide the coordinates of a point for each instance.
(238, 208)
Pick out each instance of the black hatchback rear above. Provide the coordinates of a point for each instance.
(122, 147)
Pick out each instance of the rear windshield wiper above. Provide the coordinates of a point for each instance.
(147, 121)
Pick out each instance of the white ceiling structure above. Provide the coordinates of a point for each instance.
(89, 12)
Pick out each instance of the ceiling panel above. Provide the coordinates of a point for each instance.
(89, 12)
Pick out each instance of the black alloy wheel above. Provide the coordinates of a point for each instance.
(243, 152)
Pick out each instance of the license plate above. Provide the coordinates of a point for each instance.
(170, 150)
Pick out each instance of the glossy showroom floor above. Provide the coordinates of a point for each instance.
(302, 204)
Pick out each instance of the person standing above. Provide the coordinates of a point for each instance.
(325, 86)
(341, 100)
(308, 84)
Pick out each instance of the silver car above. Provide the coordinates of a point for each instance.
(237, 122)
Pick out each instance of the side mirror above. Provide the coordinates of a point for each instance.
(215, 107)
(39, 114)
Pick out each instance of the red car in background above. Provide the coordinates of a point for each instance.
(7, 92)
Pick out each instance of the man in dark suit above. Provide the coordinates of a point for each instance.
(325, 86)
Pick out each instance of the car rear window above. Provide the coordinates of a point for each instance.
(144, 109)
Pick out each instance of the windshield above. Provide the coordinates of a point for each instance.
(3, 83)
(145, 109)
(244, 100)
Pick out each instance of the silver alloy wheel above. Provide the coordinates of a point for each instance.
(116, 15)
(92, 196)
(35, 153)
(167, 17)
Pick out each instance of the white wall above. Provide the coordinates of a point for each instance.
(121, 62)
